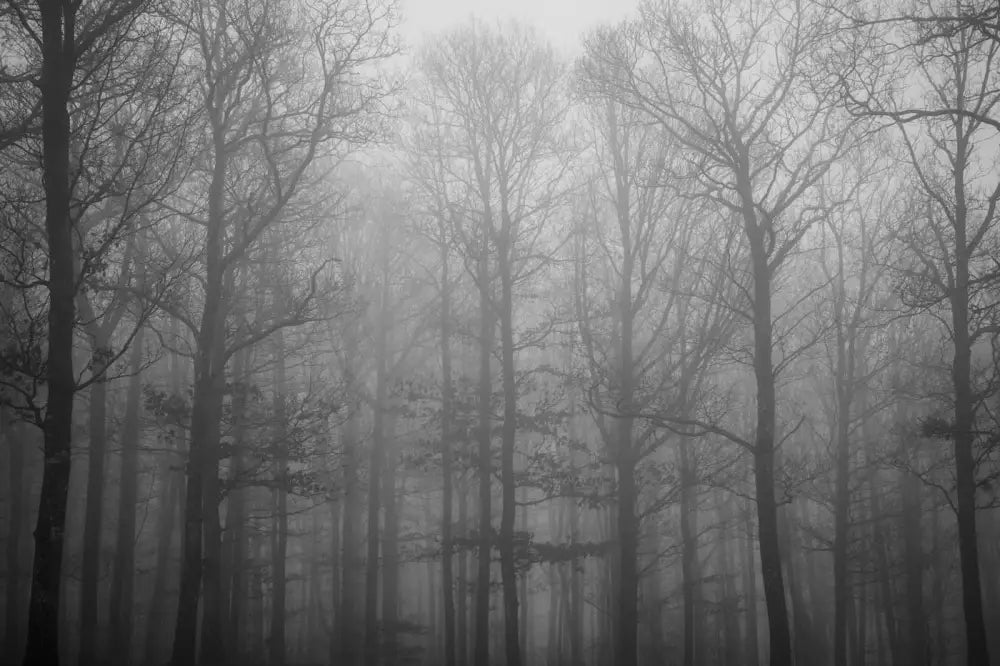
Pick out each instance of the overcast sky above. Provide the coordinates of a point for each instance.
(563, 22)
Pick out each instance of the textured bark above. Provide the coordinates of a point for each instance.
(94, 509)
(122, 582)
(58, 50)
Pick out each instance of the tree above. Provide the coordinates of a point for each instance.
(949, 254)
(272, 109)
(731, 85)
(502, 100)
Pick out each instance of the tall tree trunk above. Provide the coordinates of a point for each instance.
(390, 550)
(94, 510)
(690, 566)
(235, 539)
(484, 457)
(351, 546)
(977, 652)
(376, 464)
(764, 440)
(462, 598)
(447, 405)
(913, 547)
(842, 498)
(58, 49)
(199, 563)
(124, 571)
(10, 431)
(752, 650)
(508, 568)
(280, 506)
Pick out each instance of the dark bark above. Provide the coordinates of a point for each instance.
(916, 641)
(58, 47)
(16, 508)
(170, 500)
(390, 551)
(508, 435)
(484, 459)
(123, 580)
(690, 566)
(751, 655)
(94, 509)
(977, 652)
(351, 544)
(447, 474)
(279, 508)
(197, 567)
(376, 465)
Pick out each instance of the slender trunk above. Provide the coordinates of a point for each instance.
(390, 552)
(842, 500)
(279, 508)
(94, 510)
(170, 495)
(752, 650)
(690, 569)
(58, 51)
(124, 571)
(199, 562)
(977, 652)
(764, 439)
(485, 459)
(10, 431)
(447, 405)
(461, 601)
(235, 545)
(508, 569)
(350, 541)
(376, 465)
(916, 641)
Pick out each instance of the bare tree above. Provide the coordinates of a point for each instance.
(949, 262)
(731, 84)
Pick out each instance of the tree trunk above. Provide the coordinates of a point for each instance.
(508, 569)
(690, 568)
(10, 431)
(390, 551)
(235, 544)
(279, 508)
(351, 571)
(752, 649)
(58, 60)
(447, 405)
(977, 653)
(124, 572)
(916, 641)
(764, 439)
(94, 510)
(201, 514)
(485, 458)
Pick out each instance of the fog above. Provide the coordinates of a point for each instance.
(665, 335)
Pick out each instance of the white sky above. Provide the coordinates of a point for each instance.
(562, 22)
